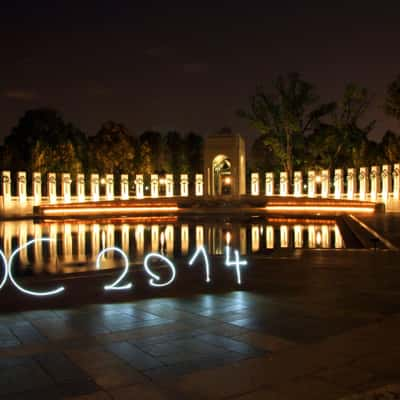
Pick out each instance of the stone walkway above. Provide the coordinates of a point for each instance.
(312, 325)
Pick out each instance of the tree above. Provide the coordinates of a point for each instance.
(392, 103)
(288, 112)
(390, 147)
(112, 149)
(43, 132)
(145, 166)
(194, 150)
(155, 142)
(176, 160)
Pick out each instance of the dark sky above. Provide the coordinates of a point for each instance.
(187, 65)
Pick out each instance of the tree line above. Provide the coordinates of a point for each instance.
(296, 131)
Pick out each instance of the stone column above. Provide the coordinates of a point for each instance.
(375, 182)
(124, 186)
(21, 179)
(6, 187)
(325, 183)
(139, 186)
(37, 188)
(298, 184)
(364, 183)
(109, 186)
(269, 183)
(94, 187)
(154, 185)
(351, 183)
(66, 187)
(52, 187)
(386, 182)
(184, 185)
(396, 181)
(255, 184)
(80, 187)
(283, 184)
(311, 184)
(169, 185)
(338, 183)
(199, 185)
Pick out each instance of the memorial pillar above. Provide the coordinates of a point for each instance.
(325, 183)
(6, 186)
(169, 185)
(21, 179)
(109, 186)
(255, 184)
(375, 182)
(386, 182)
(37, 188)
(66, 187)
(184, 185)
(154, 185)
(52, 187)
(199, 185)
(298, 184)
(139, 186)
(351, 183)
(364, 187)
(269, 183)
(396, 181)
(124, 187)
(94, 187)
(283, 184)
(80, 187)
(338, 183)
(311, 184)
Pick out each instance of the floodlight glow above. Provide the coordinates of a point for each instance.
(114, 285)
(14, 282)
(3, 257)
(237, 263)
(155, 276)
(202, 250)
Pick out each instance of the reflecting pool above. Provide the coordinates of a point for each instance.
(75, 244)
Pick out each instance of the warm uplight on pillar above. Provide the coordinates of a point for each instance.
(351, 183)
(396, 181)
(184, 185)
(52, 187)
(66, 187)
(338, 183)
(80, 187)
(283, 184)
(94, 187)
(375, 182)
(325, 183)
(169, 185)
(363, 178)
(269, 183)
(311, 184)
(139, 184)
(109, 186)
(154, 185)
(199, 185)
(298, 184)
(6, 186)
(386, 182)
(21, 179)
(255, 184)
(124, 187)
(284, 236)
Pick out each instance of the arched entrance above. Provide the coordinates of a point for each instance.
(222, 170)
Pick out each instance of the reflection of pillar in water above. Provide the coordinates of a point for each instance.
(298, 236)
(110, 236)
(325, 236)
(199, 235)
(243, 240)
(67, 243)
(95, 228)
(81, 242)
(338, 238)
(184, 239)
(53, 248)
(155, 238)
(169, 239)
(22, 239)
(284, 236)
(255, 238)
(7, 238)
(37, 257)
(269, 237)
(311, 237)
(125, 238)
(139, 236)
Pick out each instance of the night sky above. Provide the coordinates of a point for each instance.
(187, 65)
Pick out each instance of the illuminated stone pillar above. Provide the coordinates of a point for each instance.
(37, 188)
(311, 184)
(255, 184)
(396, 181)
(199, 235)
(386, 182)
(364, 186)
(269, 237)
(375, 182)
(255, 238)
(139, 183)
(199, 185)
(338, 183)
(184, 185)
(184, 239)
(169, 185)
(283, 184)
(284, 236)
(81, 242)
(125, 238)
(169, 239)
(94, 187)
(298, 184)
(6, 186)
(351, 183)
(109, 186)
(269, 183)
(52, 187)
(139, 237)
(325, 183)
(298, 236)
(80, 187)
(155, 238)
(95, 230)
(124, 187)
(21, 189)
(311, 237)
(66, 187)
(154, 185)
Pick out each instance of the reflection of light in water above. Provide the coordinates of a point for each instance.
(243, 240)
(318, 238)
(81, 242)
(338, 238)
(199, 235)
(270, 237)
(37, 234)
(155, 239)
(110, 236)
(298, 236)
(312, 237)
(169, 239)
(228, 238)
(139, 236)
(22, 239)
(95, 240)
(284, 236)
(325, 236)
(162, 243)
(103, 239)
(67, 243)
(125, 238)
(255, 238)
(184, 239)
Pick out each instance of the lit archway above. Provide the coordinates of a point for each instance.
(222, 171)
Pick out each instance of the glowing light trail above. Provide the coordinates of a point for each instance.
(155, 277)
(202, 250)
